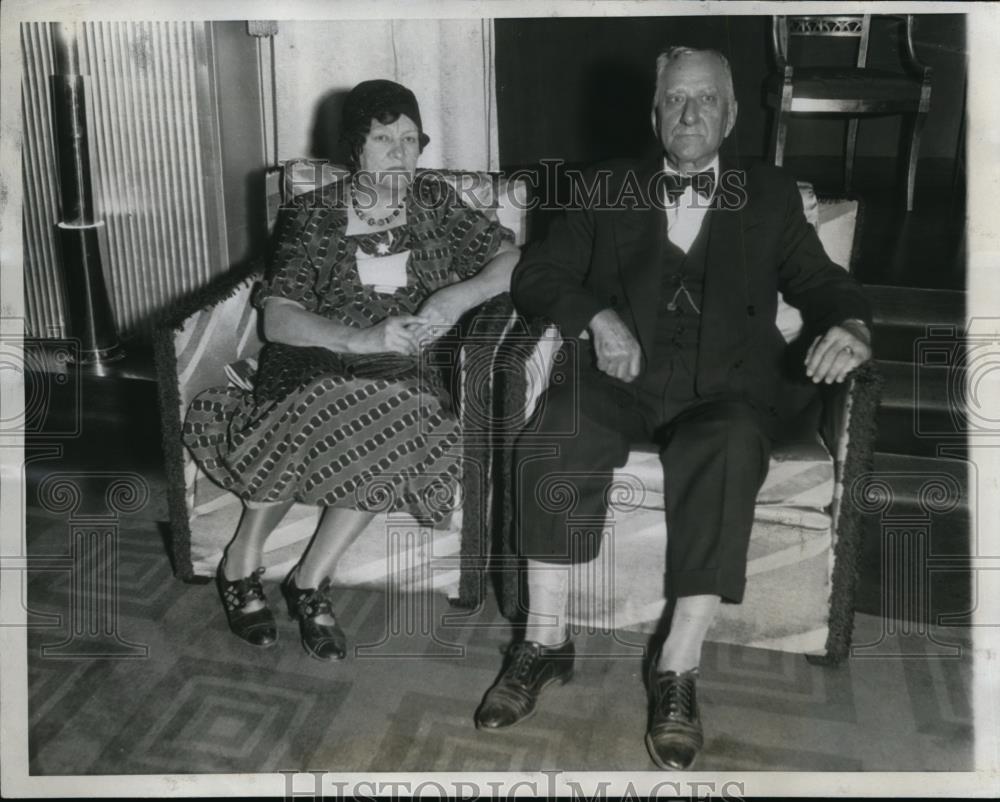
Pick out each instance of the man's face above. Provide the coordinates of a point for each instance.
(695, 110)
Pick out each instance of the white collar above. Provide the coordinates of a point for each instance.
(713, 166)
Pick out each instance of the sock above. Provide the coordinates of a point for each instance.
(548, 601)
(692, 618)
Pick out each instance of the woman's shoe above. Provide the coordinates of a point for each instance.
(257, 627)
(322, 641)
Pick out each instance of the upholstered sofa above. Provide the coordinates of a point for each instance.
(805, 540)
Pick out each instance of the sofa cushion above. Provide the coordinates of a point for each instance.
(786, 601)
(800, 477)
(394, 550)
(835, 222)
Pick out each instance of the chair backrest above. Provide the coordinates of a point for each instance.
(857, 26)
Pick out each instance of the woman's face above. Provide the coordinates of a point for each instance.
(391, 149)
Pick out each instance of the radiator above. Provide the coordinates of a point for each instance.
(156, 165)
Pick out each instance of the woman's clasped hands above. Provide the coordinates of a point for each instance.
(408, 334)
(400, 334)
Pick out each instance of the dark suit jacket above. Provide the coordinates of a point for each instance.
(600, 255)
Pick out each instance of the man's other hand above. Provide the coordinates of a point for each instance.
(618, 352)
(835, 354)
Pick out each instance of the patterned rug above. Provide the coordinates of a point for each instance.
(175, 692)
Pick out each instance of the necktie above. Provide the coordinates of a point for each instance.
(703, 183)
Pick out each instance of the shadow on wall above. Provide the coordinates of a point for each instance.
(615, 118)
(324, 140)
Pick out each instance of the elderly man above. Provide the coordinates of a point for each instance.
(668, 280)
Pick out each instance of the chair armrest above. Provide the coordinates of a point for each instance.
(851, 422)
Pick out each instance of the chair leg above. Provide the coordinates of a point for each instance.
(778, 133)
(912, 155)
(852, 139)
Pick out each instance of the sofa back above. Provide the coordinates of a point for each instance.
(493, 194)
(835, 220)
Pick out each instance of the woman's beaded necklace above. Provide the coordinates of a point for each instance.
(373, 221)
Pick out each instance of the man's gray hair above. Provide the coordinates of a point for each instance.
(674, 52)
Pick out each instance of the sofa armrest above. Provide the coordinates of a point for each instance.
(481, 332)
(182, 336)
(849, 421)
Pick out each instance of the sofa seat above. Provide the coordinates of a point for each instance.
(786, 605)
(788, 569)
(800, 477)
(394, 551)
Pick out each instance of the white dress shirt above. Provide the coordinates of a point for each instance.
(687, 213)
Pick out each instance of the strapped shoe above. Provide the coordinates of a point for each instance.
(529, 668)
(257, 627)
(322, 641)
(674, 737)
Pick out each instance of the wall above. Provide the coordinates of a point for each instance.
(580, 88)
(237, 88)
(447, 64)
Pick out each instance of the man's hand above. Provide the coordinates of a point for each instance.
(835, 354)
(618, 352)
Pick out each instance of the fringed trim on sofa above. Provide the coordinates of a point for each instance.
(168, 322)
(169, 397)
(481, 342)
(511, 393)
(866, 392)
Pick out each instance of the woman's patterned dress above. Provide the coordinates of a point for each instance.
(313, 429)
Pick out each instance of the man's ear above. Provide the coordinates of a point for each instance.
(654, 119)
(734, 108)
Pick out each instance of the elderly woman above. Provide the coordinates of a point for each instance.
(365, 274)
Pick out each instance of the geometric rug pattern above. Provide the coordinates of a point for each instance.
(184, 695)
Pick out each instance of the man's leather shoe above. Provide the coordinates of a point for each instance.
(529, 668)
(674, 737)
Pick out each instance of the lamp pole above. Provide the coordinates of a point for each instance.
(90, 317)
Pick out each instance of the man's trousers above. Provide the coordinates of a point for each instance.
(714, 452)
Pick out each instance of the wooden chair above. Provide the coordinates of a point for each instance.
(848, 91)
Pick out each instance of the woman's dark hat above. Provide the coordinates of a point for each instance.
(370, 99)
